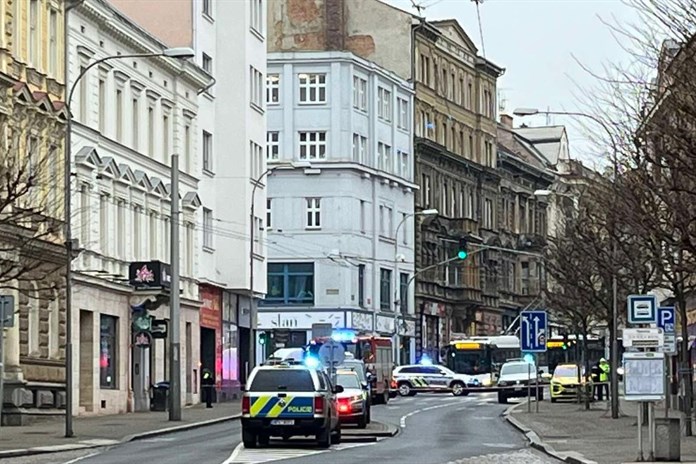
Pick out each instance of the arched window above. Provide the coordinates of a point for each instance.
(33, 326)
(54, 326)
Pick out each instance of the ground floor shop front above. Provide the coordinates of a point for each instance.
(293, 329)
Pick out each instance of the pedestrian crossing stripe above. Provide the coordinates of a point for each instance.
(419, 382)
(288, 406)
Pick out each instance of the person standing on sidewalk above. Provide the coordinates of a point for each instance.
(604, 371)
(208, 383)
(594, 375)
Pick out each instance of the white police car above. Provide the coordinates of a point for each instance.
(414, 378)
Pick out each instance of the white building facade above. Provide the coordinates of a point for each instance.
(129, 116)
(229, 39)
(232, 136)
(334, 254)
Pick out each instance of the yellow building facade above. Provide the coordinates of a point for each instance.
(33, 120)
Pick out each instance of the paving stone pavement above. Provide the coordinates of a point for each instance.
(525, 456)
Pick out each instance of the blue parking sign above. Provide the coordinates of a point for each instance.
(666, 319)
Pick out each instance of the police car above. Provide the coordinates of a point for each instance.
(414, 378)
(290, 399)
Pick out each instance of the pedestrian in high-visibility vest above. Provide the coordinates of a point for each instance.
(208, 383)
(604, 371)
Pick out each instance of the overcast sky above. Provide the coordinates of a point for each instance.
(535, 41)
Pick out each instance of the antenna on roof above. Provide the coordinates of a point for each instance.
(419, 7)
(478, 14)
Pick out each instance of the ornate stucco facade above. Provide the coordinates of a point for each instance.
(32, 124)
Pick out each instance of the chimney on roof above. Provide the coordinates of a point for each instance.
(506, 120)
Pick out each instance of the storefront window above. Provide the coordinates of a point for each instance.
(108, 351)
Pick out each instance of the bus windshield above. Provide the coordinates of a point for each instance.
(470, 362)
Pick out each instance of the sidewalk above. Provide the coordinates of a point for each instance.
(568, 429)
(96, 431)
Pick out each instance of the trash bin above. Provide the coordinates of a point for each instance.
(667, 439)
(160, 396)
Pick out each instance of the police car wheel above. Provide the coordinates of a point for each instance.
(324, 438)
(362, 422)
(249, 439)
(458, 389)
(405, 389)
(336, 437)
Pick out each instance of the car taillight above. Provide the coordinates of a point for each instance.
(343, 405)
(318, 405)
(246, 404)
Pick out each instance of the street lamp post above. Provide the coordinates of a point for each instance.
(614, 283)
(253, 310)
(397, 289)
(178, 53)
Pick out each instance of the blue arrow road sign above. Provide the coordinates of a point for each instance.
(666, 319)
(533, 331)
(642, 309)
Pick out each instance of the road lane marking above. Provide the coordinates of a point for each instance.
(73, 461)
(241, 455)
(402, 421)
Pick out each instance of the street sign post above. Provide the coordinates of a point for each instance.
(6, 320)
(331, 354)
(666, 320)
(642, 309)
(533, 331)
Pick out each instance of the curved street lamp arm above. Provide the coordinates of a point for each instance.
(100, 61)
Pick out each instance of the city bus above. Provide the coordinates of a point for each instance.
(569, 350)
(376, 352)
(482, 357)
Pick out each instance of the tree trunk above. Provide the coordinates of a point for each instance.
(586, 365)
(685, 367)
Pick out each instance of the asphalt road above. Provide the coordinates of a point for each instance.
(434, 429)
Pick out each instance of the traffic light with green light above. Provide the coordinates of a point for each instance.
(263, 338)
(462, 251)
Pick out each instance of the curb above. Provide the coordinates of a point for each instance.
(535, 442)
(103, 443)
(391, 431)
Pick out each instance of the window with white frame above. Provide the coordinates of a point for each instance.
(272, 145)
(121, 228)
(269, 223)
(165, 136)
(382, 224)
(403, 160)
(104, 223)
(154, 233)
(188, 243)
(119, 115)
(403, 114)
(313, 213)
(102, 106)
(257, 16)
(359, 93)
(425, 184)
(207, 63)
(188, 161)
(363, 216)
(488, 213)
(135, 117)
(34, 31)
(453, 202)
(256, 154)
(359, 148)
(272, 89)
(312, 88)
(207, 228)
(53, 42)
(384, 159)
(85, 213)
(137, 231)
(258, 235)
(404, 227)
(256, 90)
(207, 151)
(84, 98)
(312, 145)
(384, 104)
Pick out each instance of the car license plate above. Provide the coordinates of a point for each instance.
(282, 422)
(518, 389)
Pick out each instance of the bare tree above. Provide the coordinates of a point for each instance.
(31, 205)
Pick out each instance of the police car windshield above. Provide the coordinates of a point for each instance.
(347, 381)
(295, 380)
